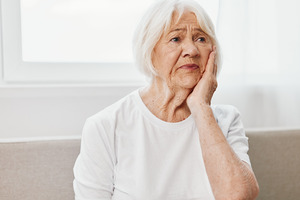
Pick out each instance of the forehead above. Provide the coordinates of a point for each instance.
(187, 18)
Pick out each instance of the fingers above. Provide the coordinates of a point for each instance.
(211, 67)
(215, 64)
(215, 69)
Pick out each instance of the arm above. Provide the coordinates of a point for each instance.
(93, 170)
(230, 178)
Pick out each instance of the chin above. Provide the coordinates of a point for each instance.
(189, 84)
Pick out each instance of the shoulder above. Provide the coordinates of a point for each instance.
(114, 111)
(224, 111)
(104, 123)
(229, 120)
(228, 117)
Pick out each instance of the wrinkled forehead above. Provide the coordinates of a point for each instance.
(181, 19)
(178, 16)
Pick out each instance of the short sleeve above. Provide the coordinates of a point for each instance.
(229, 120)
(94, 167)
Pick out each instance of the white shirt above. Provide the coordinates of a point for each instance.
(127, 153)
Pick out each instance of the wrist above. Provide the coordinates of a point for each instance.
(200, 109)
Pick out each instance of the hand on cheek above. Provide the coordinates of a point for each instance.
(204, 90)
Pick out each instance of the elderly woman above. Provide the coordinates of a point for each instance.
(165, 141)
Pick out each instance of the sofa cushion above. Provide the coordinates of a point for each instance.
(43, 170)
(38, 170)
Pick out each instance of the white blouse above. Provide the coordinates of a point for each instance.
(127, 153)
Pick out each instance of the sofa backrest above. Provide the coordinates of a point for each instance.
(275, 159)
(43, 170)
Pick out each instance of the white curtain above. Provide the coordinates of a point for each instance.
(260, 41)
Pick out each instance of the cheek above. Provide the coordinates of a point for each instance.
(165, 60)
(154, 59)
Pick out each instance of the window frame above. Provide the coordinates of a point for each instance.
(15, 70)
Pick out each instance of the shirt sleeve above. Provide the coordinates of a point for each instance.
(229, 120)
(94, 167)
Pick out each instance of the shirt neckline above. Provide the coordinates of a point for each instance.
(188, 122)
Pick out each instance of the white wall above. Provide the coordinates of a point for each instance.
(263, 107)
(51, 111)
(47, 111)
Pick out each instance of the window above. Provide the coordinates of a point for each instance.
(66, 41)
(72, 41)
(81, 31)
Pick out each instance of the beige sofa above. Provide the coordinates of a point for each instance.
(42, 170)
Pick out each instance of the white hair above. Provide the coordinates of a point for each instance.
(156, 21)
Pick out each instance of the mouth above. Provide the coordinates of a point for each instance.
(189, 67)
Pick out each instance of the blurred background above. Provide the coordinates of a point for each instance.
(64, 60)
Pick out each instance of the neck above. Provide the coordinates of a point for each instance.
(165, 102)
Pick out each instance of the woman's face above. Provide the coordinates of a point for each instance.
(181, 54)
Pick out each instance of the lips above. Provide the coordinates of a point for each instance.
(189, 66)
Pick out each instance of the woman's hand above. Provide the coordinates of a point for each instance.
(207, 85)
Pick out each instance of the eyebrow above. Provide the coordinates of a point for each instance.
(184, 29)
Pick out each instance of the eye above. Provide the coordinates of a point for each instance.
(175, 39)
(201, 39)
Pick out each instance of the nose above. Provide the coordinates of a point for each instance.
(189, 49)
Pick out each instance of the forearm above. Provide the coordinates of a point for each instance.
(230, 177)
